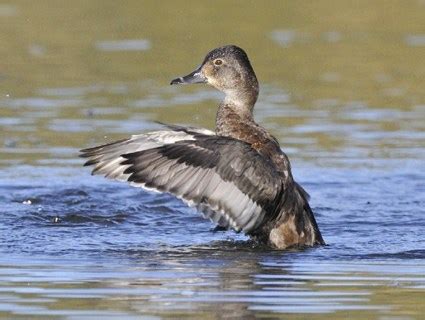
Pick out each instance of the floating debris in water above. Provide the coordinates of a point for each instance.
(124, 45)
(28, 202)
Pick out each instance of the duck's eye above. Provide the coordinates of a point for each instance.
(218, 62)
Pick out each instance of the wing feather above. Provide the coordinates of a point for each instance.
(225, 179)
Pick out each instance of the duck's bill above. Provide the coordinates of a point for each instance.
(194, 77)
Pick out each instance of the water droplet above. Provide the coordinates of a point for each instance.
(56, 219)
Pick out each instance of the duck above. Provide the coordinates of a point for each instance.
(237, 175)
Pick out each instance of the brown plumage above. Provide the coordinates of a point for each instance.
(236, 176)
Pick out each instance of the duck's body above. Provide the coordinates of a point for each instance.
(237, 176)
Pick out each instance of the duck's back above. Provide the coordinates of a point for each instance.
(241, 126)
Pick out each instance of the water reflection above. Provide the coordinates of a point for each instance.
(284, 37)
(415, 40)
(8, 10)
(123, 45)
(195, 281)
(353, 131)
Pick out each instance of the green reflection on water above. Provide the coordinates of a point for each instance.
(324, 54)
(141, 292)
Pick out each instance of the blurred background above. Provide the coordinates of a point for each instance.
(342, 88)
(338, 78)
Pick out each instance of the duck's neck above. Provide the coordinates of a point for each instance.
(242, 99)
(235, 112)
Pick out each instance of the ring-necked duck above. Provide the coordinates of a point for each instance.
(236, 176)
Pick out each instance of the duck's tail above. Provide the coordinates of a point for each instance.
(296, 225)
(307, 215)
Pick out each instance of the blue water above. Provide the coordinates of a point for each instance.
(363, 213)
(77, 246)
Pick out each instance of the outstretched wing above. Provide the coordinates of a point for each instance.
(225, 179)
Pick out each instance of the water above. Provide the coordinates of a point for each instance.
(343, 93)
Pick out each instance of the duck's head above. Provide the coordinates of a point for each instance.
(227, 69)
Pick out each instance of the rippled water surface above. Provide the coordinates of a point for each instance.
(342, 90)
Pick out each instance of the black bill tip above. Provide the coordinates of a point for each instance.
(194, 77)
(177, 81)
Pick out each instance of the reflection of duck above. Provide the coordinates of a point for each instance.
(237, 176)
